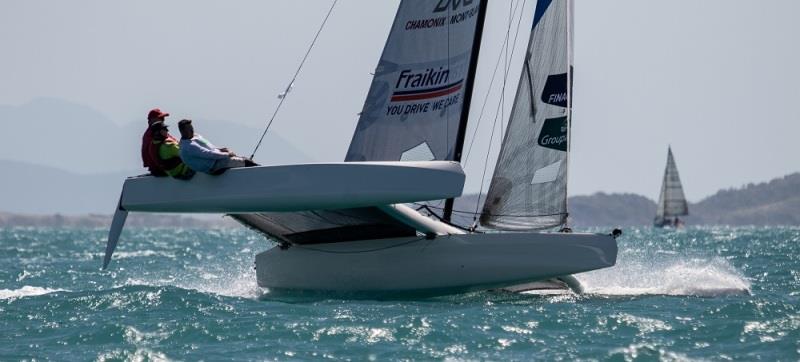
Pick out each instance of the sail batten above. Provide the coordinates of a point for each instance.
(528, 190)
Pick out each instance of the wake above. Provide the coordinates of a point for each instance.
(26, 291)
(672, 276)
(229, 279)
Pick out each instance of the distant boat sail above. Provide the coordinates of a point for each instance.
(671, 201)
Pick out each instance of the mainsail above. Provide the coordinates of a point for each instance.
(529, 186)
(422, 84)
(413, 111)
(671, 200)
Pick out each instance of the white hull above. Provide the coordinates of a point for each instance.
(446, 264)
(319, 186)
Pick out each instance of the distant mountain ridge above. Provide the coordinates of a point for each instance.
(41, 190)
(776, 202)
(601, 209)
(104, 221)
(74, 137)
(36, 189)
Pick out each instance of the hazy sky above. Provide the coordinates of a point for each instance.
(719, 80)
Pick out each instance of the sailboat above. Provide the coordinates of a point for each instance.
(671, 201)
(349, 226)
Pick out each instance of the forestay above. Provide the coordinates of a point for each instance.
(529, 186)
(671, 200)
(421, 84)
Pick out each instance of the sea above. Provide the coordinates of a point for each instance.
(699, 294)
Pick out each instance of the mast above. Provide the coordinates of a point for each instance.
(462, 125)
(570, 60)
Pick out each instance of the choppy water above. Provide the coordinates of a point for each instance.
(192, 295)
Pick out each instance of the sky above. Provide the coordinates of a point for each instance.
(718, 80)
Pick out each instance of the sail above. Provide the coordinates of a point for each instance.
(671, 200)
(422, 83)
(529, 186)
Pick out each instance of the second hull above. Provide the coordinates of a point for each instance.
(444, 265)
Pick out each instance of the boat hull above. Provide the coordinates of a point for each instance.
(446, 264)
(319, 186)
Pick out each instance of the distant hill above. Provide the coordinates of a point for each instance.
(600, 209)
(74, 137)
(776, 202)
(35, 190)
(603, 209)
(104, 221)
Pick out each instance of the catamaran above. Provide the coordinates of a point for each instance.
(349, 226)
(671, 201)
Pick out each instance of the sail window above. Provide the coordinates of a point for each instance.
(546, 174)
(420, 152)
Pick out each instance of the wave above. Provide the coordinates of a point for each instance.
(139, 254)
(26, 291)
(667, 276)
(240, 282)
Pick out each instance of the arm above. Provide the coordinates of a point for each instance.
(192, 149)
(204, 142)
(207, 144)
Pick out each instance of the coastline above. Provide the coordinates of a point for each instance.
(8, 219)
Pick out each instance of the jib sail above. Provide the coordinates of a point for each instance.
(529, 186)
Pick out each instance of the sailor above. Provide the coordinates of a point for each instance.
(169, 152)
(202, 156)
(149, 149)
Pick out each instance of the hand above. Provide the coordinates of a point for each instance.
(224, 149)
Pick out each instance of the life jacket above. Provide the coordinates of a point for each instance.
(171, 163)
(150, 159)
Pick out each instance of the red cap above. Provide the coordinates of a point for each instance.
(156, 113)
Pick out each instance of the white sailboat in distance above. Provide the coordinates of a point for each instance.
(671, 201)
(344, 227)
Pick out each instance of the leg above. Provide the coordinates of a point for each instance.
(226, 163)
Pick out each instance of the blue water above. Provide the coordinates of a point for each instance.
(699, 294)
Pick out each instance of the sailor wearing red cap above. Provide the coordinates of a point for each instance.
(149, 150)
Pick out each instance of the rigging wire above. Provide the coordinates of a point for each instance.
(285, 93)
(447, 109)
(506, 66)
(501, 105)
(486, 160)
(471, 213)
(491, 82)
(442, 220)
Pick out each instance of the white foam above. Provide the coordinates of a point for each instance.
(666, 275)
(26, 291)
(240, 282)
(141, 254)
